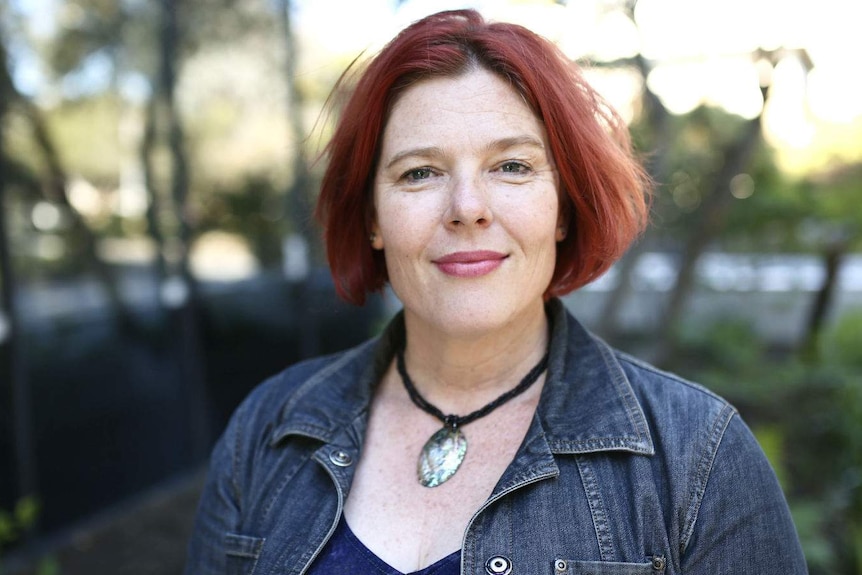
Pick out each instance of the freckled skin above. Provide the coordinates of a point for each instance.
(464, 166)
(464, 169)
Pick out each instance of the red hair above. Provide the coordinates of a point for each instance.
(603, 189)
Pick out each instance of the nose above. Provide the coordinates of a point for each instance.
(468, 203)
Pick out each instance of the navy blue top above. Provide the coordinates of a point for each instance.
(345, 554)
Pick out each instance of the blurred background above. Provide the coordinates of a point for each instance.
(158, 257)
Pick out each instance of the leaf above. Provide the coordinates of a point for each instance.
(7, 527)
(26, 512)
(48, 566)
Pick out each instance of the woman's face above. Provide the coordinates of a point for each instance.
(466, 204)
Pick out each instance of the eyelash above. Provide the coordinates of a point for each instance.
(522, 167)
(425, 173)
(410, 175)
(416, 175)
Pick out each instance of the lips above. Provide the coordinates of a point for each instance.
(470, 264)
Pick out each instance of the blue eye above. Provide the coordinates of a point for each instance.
(514, 168)
(417, 174)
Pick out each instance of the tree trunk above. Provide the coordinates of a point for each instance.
(154, 226)
(189, 313)
(12, 369)
(823, 298)
(55, 191)
(713, 214)
(658, 120)
(298, 204)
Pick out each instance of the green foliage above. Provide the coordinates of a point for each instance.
(85, 132)
(811, 525)
(776, 212)
(790, 214)
(843, 343)
(19, 520)
(48, 566)
(13, 524)
(254, 209)
(771, 440)
(773, 216)
(694, 158)
(89, 26)
(728, 344)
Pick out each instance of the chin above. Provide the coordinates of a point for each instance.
(478, 314)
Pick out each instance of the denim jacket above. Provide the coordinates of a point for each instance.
(625, 470)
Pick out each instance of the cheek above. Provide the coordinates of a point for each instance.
(403, 241)
(392, 223)
(536, 222)
(407, 221)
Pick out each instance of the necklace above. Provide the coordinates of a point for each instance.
(444, 451)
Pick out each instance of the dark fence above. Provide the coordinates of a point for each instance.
(111, 412)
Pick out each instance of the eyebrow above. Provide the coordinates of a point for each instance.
(496, 145)
(425, 152)
(514, 142)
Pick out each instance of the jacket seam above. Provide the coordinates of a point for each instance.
(330, 367)
(236, 456)
(325, 371)
(640, 365)
(633, 408)
(703, 471)
(597, 509)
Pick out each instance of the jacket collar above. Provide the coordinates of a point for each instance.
(587, 404)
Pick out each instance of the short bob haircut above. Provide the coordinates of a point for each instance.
(603, 189)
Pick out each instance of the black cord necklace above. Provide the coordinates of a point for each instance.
(444, 452)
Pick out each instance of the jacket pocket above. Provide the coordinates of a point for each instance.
(566, 567)
(242, 552)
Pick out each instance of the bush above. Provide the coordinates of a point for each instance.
(842, 344)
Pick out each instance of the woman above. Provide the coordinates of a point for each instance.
(485, 431)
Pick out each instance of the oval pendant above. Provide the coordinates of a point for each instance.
(441, 456)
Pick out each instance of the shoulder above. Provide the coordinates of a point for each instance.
(273, 401)
(711, 451)
(683, 416)
(297, 378)
(703, 439)
(617, 380)
(667, 394)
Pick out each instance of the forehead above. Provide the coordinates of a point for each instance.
(472, 103)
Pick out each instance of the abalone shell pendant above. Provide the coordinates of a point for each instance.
(441, 456)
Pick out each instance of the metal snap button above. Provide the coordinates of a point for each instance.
(498, 565)
(658, 563)
(560, 566)
(340, 458)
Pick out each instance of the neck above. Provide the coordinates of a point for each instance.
(461, 372)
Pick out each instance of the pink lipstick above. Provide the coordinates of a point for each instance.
(470, 264)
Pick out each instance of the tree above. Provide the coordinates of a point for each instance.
(189, 309)
(657, 126)
(709, 223)
(712, 216)
(55, 191)
(11, 356)
(837, 194)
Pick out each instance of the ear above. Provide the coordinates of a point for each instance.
(562, 227)
(560, 235)
(375, 237)
(564, 216)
